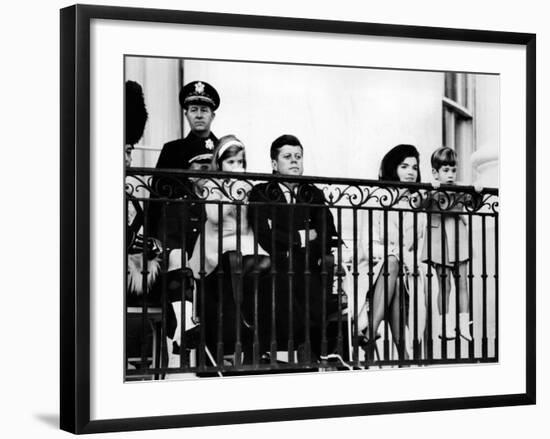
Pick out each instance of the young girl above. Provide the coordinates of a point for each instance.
(393, 265)
(229, 156)
(448, 260)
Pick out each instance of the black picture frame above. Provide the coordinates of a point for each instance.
(75, 217)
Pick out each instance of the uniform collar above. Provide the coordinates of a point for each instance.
(192, 135)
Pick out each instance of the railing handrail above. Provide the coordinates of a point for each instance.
(137, 171)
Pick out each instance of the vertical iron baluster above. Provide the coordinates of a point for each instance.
(355, 274)
(372, 334)
(290, 341)
(324, 285)
(163, 348)
(144, 275)
(496, 286)
(401, 292)
(239, 293)
(443, 291)
(219, 276)
(429, 276)
(471, 346)
(307, 277)
(416, 342)
(126, 243)
(202, 293)
(339, 339)
(183, 339)
(484, 339)
(457, 287)
(273, 332)
(386, 299)
(256, 337)
(183, 357)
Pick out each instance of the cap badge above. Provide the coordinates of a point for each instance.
(199, 87)
(208, 144)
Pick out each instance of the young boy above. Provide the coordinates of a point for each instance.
(448, 235)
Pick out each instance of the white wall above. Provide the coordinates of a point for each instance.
(29, 84)
(159, 79)
(346, 118)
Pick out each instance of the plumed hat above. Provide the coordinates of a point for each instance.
(136, 113)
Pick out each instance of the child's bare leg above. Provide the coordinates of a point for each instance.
(463, 296)
(444, 275)
(464, 301)
(444, 282)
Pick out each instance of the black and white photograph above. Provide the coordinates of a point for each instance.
(270, 218)
(286, 217)
(275, 219)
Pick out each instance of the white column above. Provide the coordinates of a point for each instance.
(485, 158)
(485, 164)
(159, 79)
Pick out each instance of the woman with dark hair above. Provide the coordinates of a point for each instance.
(393, 258)
(395, 162)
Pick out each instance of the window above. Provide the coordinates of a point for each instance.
(458, 120)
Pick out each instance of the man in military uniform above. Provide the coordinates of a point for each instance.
(199, 101)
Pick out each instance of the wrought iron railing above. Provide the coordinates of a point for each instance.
(285, 273)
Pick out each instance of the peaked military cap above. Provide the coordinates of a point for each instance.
(200, 149)
(199, 92)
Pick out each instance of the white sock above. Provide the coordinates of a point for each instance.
(465, 322)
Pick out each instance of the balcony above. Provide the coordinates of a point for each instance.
(257, 273)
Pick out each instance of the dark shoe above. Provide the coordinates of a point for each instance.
(449, 336)
(192, 340)
(365, 343)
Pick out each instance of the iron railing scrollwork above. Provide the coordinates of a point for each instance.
(313, 306)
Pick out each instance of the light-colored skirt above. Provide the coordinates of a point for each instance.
(211, 249)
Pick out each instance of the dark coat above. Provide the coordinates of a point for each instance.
(175, 154)
(278, 227)
(281, 222)
(182, 222)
